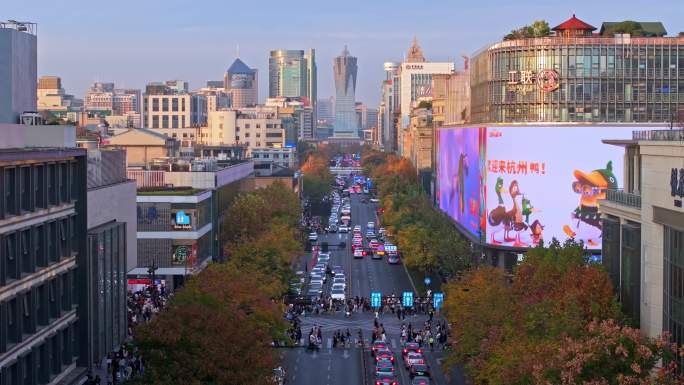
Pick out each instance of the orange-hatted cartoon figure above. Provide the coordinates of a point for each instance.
(536, 230)
(586, 217)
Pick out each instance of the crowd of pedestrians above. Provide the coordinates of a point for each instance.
(124, 362)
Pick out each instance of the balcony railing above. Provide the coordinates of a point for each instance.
(659, 135)
(624, 198)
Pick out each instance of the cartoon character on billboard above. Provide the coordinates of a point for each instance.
(586, 218)
(510, 220)
(460, 181)
(536, 230)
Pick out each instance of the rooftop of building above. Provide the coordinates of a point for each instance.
(239, 67)
(169, 191)
(574, 23)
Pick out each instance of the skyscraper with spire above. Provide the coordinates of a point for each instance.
(344, 72)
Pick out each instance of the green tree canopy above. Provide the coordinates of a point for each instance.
(539, 28)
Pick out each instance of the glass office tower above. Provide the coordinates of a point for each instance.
(344, 72)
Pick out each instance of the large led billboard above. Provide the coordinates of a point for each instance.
(533, 182)
(459, 177)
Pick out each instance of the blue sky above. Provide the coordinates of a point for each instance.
(133, 42)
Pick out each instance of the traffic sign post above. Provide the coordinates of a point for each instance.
(376, 299)
(407, 299)
(437, 300)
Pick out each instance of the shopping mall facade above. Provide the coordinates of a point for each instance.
(579, 76)
(577, 135)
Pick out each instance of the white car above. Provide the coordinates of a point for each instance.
(374, 200)
(338, 294)
(343, 229)
(313, 237)
(339, 280)
(339, 286)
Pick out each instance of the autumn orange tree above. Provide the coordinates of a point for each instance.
(216, 330)
(527, 330)
(428, 239)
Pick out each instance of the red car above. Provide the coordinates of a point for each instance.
(411, 347)
(384, 354)
(378, 345)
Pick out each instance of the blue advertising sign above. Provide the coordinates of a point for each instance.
(427, 281)
(182, 220)
(369, 183)
(376, 299)
(359, 179)
(437, 300)
(407, 299)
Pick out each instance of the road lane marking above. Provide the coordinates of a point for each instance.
(329, 343)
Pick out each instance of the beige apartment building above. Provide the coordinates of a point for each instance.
(257, 127)
(417, 138)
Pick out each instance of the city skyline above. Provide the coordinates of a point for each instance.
(195, 45)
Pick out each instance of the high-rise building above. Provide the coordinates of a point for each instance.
(344, 72)
(242, 82)
(415, 78)
(18, 70)
(325, 109)
(312, 82)
(292, 73)
(387, 134)
(286, 73)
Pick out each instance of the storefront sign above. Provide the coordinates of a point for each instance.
(182, 221)
(677, 185)
(413, 66)
(545, 80)
(181, 254)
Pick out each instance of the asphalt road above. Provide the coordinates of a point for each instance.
(345, 366)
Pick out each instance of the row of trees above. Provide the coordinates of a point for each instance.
(217, 329)
(556, 321)
(426, 237)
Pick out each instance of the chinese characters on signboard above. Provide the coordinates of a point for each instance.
(519, 167)
(677, 185)
(545, 80)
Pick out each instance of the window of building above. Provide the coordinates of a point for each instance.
(174, 104)
(52, 244)
(266, 156)
(52, 297)
(42, 305)
(165, 104)
(165, 121)
(155, 104)
(276, 156)
(26, 313)
(64, 182)
(26, 189)
(258, 126)
(27, 263)
(247, 135)
(185, 134)
(273, 135)
(258, 135)
(182, 121)
(40, 186)
(64, 250)
(39, 246)
(11, 256)
(10, 191)
(155, 121)
(183, 104)
(247, 125)
(13, 334)
(174, 121)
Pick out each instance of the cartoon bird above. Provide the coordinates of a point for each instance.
(536, 229)
(495, 217)
(591, 187)
(527, 209)
(511, 219)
